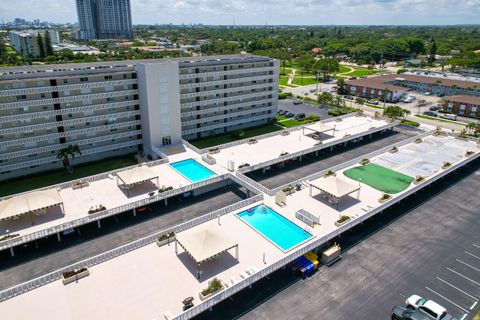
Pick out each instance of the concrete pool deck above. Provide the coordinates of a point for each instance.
(155, 280)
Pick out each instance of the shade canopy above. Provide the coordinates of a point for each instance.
(205, 242)
(136, 175)
(334, 186)
(29, 202)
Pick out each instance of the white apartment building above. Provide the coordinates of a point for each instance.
(123, 107)
(26, 42)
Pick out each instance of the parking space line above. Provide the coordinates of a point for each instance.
(438, 294)
(451, 285)
(473, 305)
(468, 265)
(476, 245)
(472, 255)
(464, 316)
(461, 275)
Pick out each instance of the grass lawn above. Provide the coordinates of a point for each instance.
(360, 72)
(380, 178)
(290, 123)
(438, 119)
(303, 82)
(283, 81)
(343, 69)
(53, 177)
(208, 142)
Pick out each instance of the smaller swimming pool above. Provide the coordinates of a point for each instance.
(275, 227)
(192, 170)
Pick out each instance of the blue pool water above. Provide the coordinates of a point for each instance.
(192, 170)
(274, 226)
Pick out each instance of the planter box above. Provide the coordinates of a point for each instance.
(287, 193)
(338, 224)
(164, 242)
(393, 150)
(202, 297)
(382, 200)
(415, 182)
(76, 277)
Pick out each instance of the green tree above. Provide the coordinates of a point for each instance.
(67, 155)
(395, 112)
(48, 44)
(325, 98)
(341, 86)
(433, 52)
(41, 47)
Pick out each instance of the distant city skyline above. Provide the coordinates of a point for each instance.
(279, 12)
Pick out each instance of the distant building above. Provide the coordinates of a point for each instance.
(104, 19)
(26, 42)
(463, 105)
(316, 50)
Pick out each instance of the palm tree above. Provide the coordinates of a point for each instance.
(67, 155)
(473, 128)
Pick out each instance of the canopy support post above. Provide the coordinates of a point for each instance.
(198, 270)
(12, 253)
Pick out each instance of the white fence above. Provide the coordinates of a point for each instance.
(209, 303)
(53, 276)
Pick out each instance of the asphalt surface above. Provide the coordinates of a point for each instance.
(326, 159)
(428, 245)
(308, 109)
(30, 262)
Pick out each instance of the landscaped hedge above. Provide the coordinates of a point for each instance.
(410, 123)
(284, 95)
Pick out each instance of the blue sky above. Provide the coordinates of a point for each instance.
(260, 12)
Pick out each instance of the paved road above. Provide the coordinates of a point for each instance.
(326, 159)
(30, 263)
(308, 109)
(429, 245)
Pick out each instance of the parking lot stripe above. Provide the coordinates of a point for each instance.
(438, 294)
(472, 255)
(461, 275)
(476, 245)
(468, 265)
(473, 305)
(451, 285)
(464, 316)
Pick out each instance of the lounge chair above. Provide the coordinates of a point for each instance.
(243, 275)
(168, 315)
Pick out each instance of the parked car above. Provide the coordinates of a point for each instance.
(290, 115)
(430, 113)
(352, 78)
(428, 93)
(297, 101)
(313, 90)
(436, 108)
(299, 116)
(284, 113)
(429, 307)
(279, 111)
(401, 313)
(375, 102)
(409, 99)
(449, 116)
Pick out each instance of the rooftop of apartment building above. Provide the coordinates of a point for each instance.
(383, 81)
(464, 99)
(13, 72)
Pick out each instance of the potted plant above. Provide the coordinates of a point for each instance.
(329, 173)
(164, 189)
(214, 287)
(418, 179)
(9, 236)
(446, 165)
(70, 276)
(393, 150)
(418, 140)
(165, 239)
(342, 220)
(288, 190)
(384, 198)
(364, 161)
(469, 153)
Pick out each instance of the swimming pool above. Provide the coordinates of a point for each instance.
(192, 170)
(273, 226)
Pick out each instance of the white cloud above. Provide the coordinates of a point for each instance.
(271, 11)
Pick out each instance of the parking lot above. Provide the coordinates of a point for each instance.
(428, 245)
(308, 109)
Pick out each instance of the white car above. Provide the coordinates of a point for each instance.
(428, 93)
(428, 306)
(449, 116)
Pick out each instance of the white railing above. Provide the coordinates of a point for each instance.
(228, 123)
(261, 94)
(317, 147)
(66, 99)
(226, 108)
(58, 135)
(260, 86)
(351, 162)
(76, 86)
(247, 78)
(254, 183)
(228, 115)
(228, 292)
(53, 276)
(109, 212)
(307, 218)
(225, 73)
(70, 122)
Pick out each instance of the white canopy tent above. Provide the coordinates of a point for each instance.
(128, 178)
(205, 243)
(333, 187)
(319, 127)
(31, 202)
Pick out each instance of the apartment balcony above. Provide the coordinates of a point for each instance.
(51, 159)
(225, 73)
(222, 82)
(227, 99)
(59, 88)
(223, 108)
(57, 146)
(67, 110)
(228, 90)
(227, 124)
(81, 97)
(70, 122)
(228, 115)
(71, 133)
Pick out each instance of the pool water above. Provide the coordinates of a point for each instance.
(273, 226)
(192, 170)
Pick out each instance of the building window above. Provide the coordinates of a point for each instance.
(108, 77)
(65, 81)
(42, 95)
(22, 97)
(83, 79)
